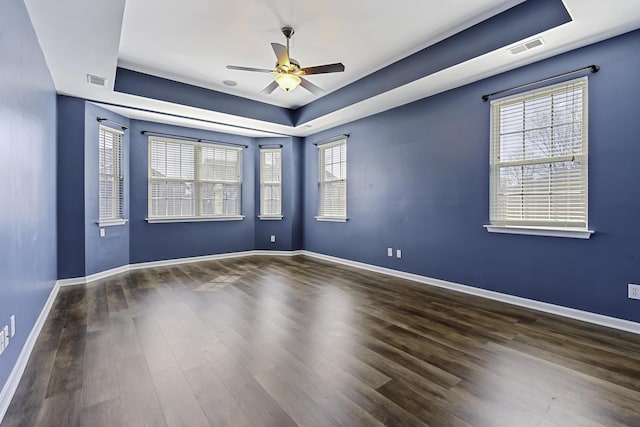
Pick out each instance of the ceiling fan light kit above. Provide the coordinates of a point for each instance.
(287, 81)
(288, 73)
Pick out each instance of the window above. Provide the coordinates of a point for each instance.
(332, 181)
(270, 183)
(539, 159)
(110, 197)
(193, 181)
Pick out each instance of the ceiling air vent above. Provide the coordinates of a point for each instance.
(96, 80)
(526, 46)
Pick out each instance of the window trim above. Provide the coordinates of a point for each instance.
(196, 180)
(164, 220)
(513, 227)
(573, 233)
(320, 153)
(118, 178)
(262, 215)
(111, 223)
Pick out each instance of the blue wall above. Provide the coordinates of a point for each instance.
(154, 242)
(286, 230)
(297, 190)
(28, 176)
(148, 86)
(81, 250)
(432, 199)
(70, 188)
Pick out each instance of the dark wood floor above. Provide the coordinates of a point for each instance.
(277, 341)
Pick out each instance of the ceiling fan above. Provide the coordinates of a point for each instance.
(288, 73)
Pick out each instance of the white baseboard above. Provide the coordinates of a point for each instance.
(13, 381)
(276, 253)
(167, 262)
(176, 261)
(97, 276)
(585, 316)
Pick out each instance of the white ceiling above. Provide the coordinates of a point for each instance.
(193, 40)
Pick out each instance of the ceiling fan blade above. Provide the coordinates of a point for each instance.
(281, 54)
(259, 70)
(322, 69)
(316, 90)
(272, 86)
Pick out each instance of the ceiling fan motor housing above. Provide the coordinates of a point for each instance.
(294, 66)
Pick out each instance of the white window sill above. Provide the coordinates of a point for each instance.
(572, 233)
(331, 218)
(160, 220)
(270, 217)
(111, 222)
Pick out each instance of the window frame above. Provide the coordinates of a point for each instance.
(117, 216)
(263, 183)
(539, 227)
(197, 181)
(324, 216)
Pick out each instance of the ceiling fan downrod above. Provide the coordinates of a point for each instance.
(288, 32)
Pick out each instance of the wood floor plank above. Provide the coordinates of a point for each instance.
(97, 306)
(431, 411)
(285, 341)
(61, 409)
(105, 413)
(138, 399)
(254, 400)
(116, 300)
(295, 402)
(29, 397)
(215, 399)
(99, 379)
(380, 407)
(179, 405)
(154, 344)
(187, 351)
(66, 375)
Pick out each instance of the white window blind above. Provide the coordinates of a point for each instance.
(332, 180)
(111, 181)
(539, 158)
(270, 183)
(191, 180)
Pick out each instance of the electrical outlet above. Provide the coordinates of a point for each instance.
(102, 232)
(389, 251)
(398, 253)
(2, 341)
(6, 336)
(634, 291)
(273, 238)
(13, 325)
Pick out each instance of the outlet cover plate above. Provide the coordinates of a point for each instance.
(634, 291)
